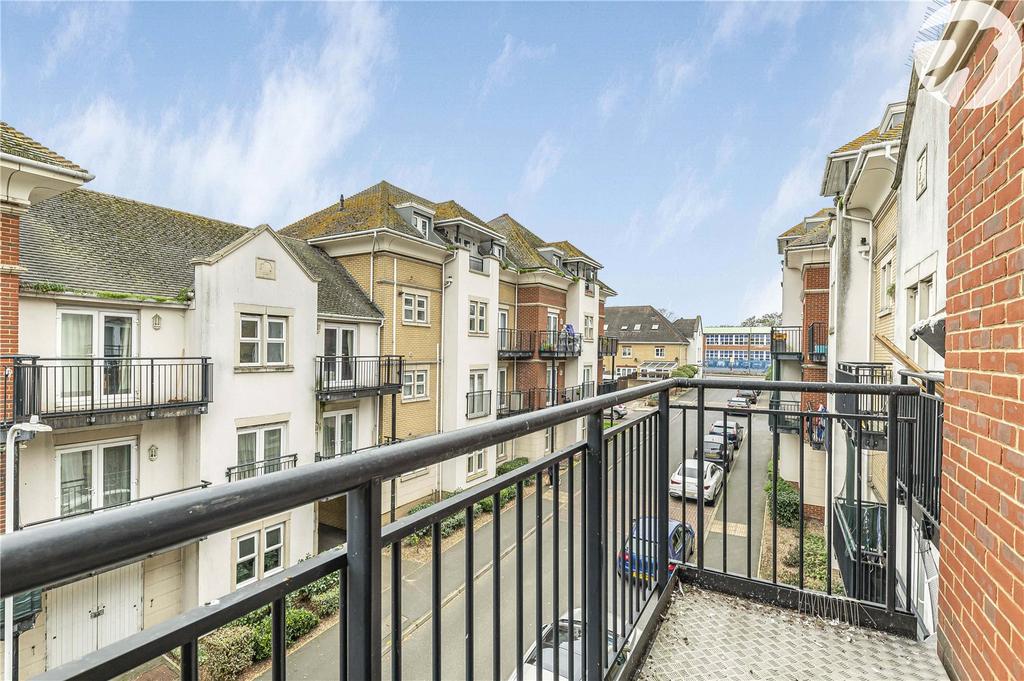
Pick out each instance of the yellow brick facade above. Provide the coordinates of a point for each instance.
(645, 352)
(882, 305)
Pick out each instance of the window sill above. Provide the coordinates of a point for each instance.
(412, 475)
(411, 400)
(885, 312)
(479, 273)
(478, 334)
(476, 476)
(264, 369)
(424, 324)
(470, 417)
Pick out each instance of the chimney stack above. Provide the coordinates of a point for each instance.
(341, 202)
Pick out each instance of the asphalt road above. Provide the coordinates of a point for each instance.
(318, 659)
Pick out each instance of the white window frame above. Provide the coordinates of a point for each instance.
(338, 415)
(588, 327)
(478, 317)
(636, 327)
(275, 341)
(413, 379)
(263, 340)
(659, 351)
(254, 557)
(478, 384)
(261, 433)
(476, 463)
(258, 535)
(415, 309)
(627, 350)
(267, 548)
(421, 223)
(97, 448)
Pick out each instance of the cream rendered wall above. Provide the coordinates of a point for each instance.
(462, 352)
(282, 395)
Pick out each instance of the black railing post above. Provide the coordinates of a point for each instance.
(700, 477)
(662, 489)
(594, 634)
(363, 598)
(890, 521)
(152, 381)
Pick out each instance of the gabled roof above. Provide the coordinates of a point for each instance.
(801, 228)
(570, 250)
(451, 210)
(647, 318)
(89, 242)
(816, 235)
(17, 143)
(686, 327)
(372, 208)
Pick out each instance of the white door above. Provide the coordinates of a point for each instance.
(504, 341)
(91, 613)
(339, 343)
(502, 387)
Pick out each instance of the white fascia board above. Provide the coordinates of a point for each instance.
(472, 225)
(418, 207)
(354, 243)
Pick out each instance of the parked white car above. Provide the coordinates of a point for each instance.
(685, 478)
(570, 642)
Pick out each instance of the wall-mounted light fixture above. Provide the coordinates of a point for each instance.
(153, 451)
(157, 321)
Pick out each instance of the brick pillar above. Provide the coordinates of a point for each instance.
(9, 282)
(981, 579)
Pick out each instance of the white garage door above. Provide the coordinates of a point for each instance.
(91, 613)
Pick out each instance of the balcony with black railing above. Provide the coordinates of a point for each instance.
(512, 402)
(864, 414)
(787, 342)
(80, 497)
(515, 343)
(559, 344)
(478, 404)
(787, 420)
(585, 573)
(607, 346)
(255, 469)
(327, 455)
(344, 377)
(817, 342)
(67, 392)
(575, 393)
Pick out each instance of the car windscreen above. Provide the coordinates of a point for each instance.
(565, 648)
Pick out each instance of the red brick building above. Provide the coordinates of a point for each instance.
(981, 593)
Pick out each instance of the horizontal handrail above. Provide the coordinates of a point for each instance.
(203, 484)
(478, 403)
(56, 552)
(348, 373)
(244, 471)
(318, 456)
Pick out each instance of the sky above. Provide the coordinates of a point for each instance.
(671, 142)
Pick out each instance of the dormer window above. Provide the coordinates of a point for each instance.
(636, 327)
(556, 260)
(421, 223)
(499, 251)
(654, 327)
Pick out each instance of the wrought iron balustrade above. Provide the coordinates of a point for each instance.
(787, 342)
(871, 430)
(817, 342)
(253, 469)
(611, 544)
(324, 456)
(478, 404)
(515, 343)
(512, 402)
(347, 376)
(559, 344)
(607, 346)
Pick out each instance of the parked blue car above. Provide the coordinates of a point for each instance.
(636, 558)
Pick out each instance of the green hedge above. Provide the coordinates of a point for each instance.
(297, 623)
(326, 603)
(787, 503)
(511, 465)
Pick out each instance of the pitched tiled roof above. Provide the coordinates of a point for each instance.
(522, 243)
(800, 228)
(872, 136)
(87, 241)
(816, 235)
(372, 208)
(450, 210)
(685, 327)
(17, 143)
(647, 317)
(570, 250)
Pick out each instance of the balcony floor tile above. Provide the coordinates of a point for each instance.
(708, 635)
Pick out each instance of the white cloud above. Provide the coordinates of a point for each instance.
(761, 296)
(542, 164)
(739, 18)
(85, 28)
(611, 97)
(685, 205)
(259, 163)
(728, 146)
(674, 67)
(514, 52)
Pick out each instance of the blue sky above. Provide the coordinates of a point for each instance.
(672, 142)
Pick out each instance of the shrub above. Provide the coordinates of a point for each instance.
(511, 465)
(787, 505)
(226, 652)
(253, 618)
(297, 623)
(486, 505)
(506, 495)
(326, 603)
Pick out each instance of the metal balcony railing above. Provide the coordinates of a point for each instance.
(478, 404)
(515, 343)
(77, 499)
(346, 376)
(865, 412)
(69, 392)
(556, 344)
(575, 393)
(611, 385)
(253, 469)
(324, 456)
(607, 346)
(788, 421)
(608, 553)
(512, 402)
(787, 342)
(919, 467)
(817, 342)
(859, 543)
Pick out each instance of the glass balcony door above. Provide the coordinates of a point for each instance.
(91, 340)
(339, 356)
(338, 434)
(95, 476)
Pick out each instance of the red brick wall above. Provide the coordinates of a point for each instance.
(532, 315)
(9, 282)
(981, 580)
(815, 304)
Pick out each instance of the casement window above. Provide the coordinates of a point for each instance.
(259, 450)
(414, 384)
(96, 475)
(478, 402)
(552, 321)
(262, 340)
(259, 554)
(659, 351)
(475, 463)
(499, 251)
(886, 286)
(477, 316)
(421, 223)
(627, 350)
(414, 308)
(588, 327)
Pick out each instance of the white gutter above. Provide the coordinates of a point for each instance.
(861, 160)
(39, 165)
